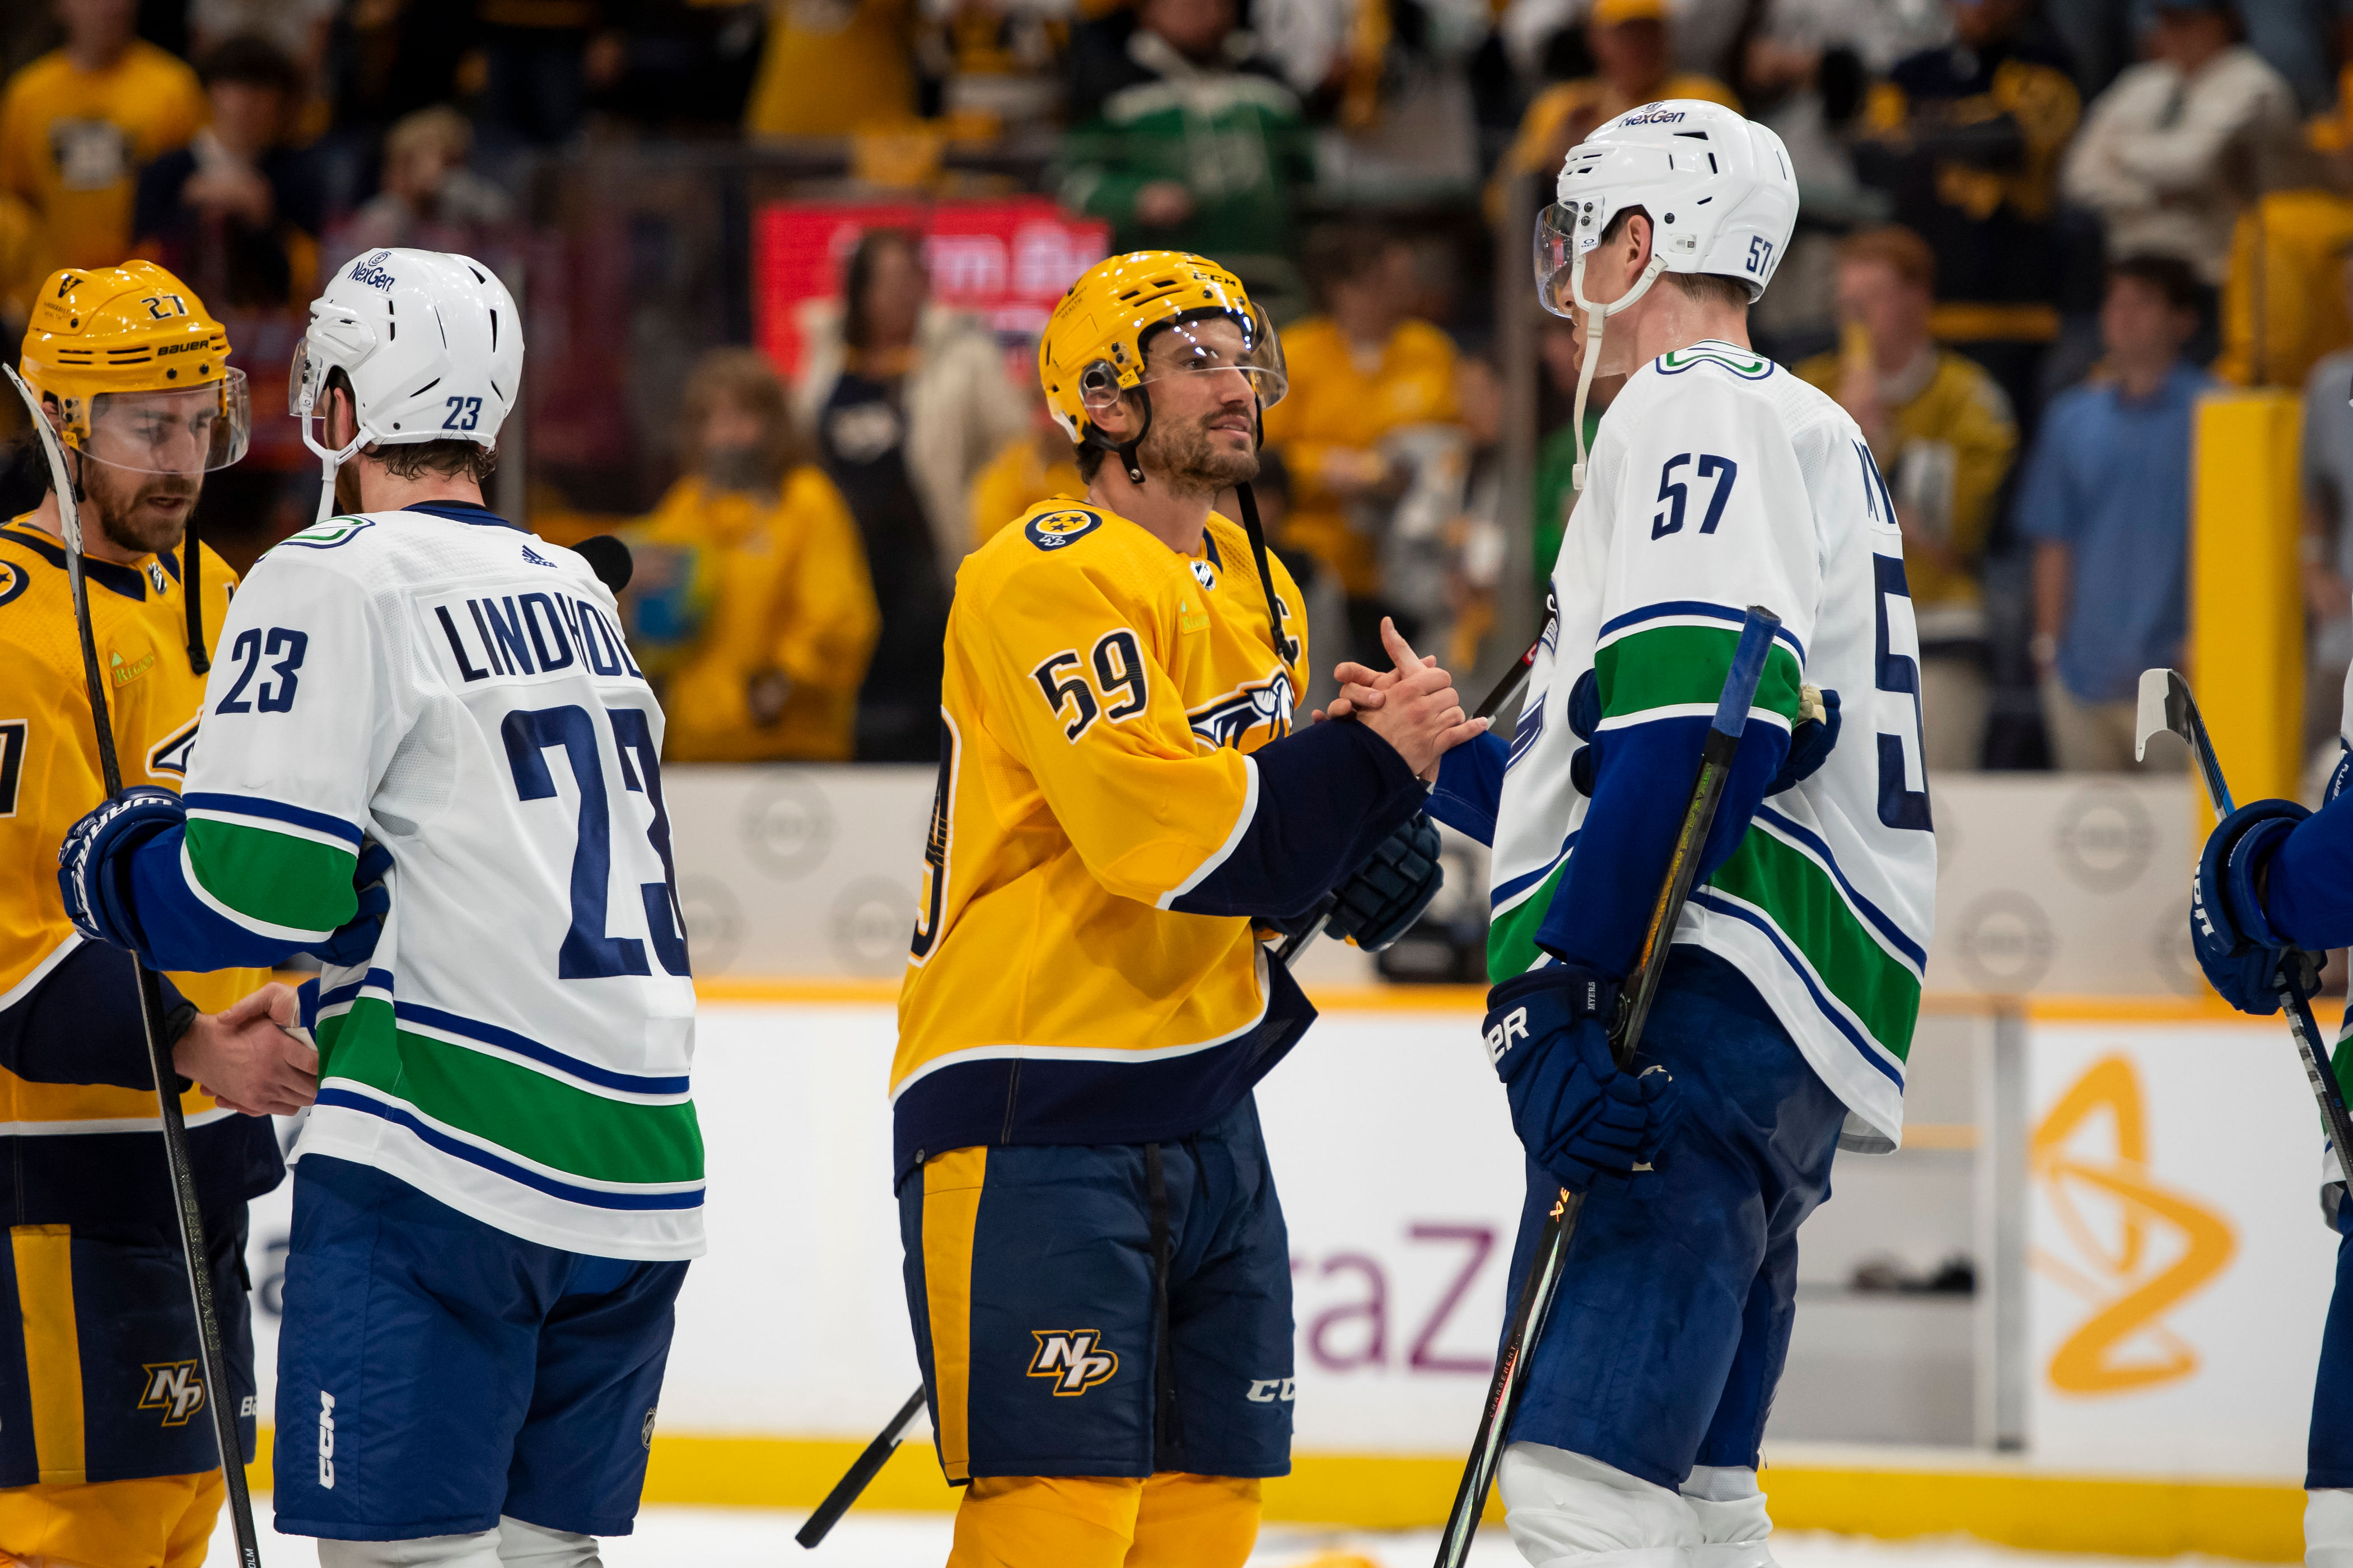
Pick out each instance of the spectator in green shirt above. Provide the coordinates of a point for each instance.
(1184, 139)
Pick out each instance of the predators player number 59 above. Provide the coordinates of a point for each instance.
(1096, 1263)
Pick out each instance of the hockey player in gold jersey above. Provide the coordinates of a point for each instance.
(1096, 1261)
(105, 1458)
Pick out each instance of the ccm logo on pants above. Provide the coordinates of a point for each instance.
(1267, 1390)
(326, 1440)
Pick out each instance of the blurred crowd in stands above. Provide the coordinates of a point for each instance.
(2032, 233)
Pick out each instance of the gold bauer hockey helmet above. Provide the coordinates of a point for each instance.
(139, 370)
(1094, 344)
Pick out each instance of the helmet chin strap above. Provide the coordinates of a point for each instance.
(330, 459)
(1595, 315)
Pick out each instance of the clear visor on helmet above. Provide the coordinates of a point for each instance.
(1217, 343)
(1556, 256)
(176, 432)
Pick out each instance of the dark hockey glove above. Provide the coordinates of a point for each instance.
(1817, 731)
(1577, 1115)
(354, 942)
(2242, 956)
(1380, 900)
(94, 862)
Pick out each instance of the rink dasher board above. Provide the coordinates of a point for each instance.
(2047, 883)
(1400, 1182)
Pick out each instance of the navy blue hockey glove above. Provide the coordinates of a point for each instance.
(94, 862)
(1810, 746)
(354, 942)
(2242, 956)
(1577, 1114)
(1379, 901)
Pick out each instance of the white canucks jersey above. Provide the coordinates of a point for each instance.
(1720, 480)
(458, 691)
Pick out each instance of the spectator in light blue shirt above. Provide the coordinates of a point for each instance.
(2105, 498)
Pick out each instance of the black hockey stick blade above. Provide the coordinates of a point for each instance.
(212, 1364)
(1534, 1305)
(2166, 705)
(860, 1474)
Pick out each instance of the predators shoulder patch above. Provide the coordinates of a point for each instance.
(1053, 530)
(13, 580)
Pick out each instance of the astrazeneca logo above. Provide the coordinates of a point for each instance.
(1073, 1358)
(370, 272)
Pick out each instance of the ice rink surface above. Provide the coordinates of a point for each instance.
(757, 1538)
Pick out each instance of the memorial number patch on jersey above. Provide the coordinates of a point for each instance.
(1054, 530)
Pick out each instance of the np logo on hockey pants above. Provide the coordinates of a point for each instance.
(1073, 1358)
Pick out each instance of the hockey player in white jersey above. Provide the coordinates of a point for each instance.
(1718, 480)
(429, 757)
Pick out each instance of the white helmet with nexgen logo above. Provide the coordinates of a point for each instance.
(431, 343)
(1717, 189)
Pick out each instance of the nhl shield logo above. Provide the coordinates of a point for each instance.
(1053, 530)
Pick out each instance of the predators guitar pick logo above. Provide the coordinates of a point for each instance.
(2131, 1247)
(1073, 1358)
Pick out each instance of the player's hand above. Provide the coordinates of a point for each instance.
(2242, 955)
(1419, 714)
(248, 1058)
(93, 863)
(1578, 1115)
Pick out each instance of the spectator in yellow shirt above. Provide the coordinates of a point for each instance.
(832, 67)
(76, 124)
(1942, 432)
(1363, 369)
(1632, 45)
(751, 608)
(1029, 468)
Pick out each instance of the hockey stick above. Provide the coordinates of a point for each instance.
(2166, 705)
(212, 1365)
(1536, 1293)
(861, 1473)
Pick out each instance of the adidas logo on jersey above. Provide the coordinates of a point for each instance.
(1073, 1358)
(534, 558)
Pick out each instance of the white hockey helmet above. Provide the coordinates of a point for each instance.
(431, 343)
(1717, 189)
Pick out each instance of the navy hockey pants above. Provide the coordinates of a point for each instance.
(1673, 1319)
(2328, 1454)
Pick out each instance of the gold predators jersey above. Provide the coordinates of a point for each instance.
(1083, 968)
(73, 1066)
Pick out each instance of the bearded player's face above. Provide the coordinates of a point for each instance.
(1203, 434)
(150, 450)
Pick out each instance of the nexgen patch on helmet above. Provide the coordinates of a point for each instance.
(1095, 344)
(138, 370)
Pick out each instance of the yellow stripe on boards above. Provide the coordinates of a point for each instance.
(45, 1304)
(2006, 1503)
(952, 1184)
